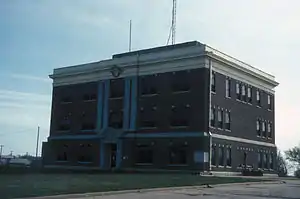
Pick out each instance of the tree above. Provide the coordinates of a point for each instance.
(281, 165)
(293, 155)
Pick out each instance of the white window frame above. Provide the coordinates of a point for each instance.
(227, 87)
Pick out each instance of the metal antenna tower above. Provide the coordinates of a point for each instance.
(174, 22)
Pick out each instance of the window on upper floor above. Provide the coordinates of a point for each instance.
(212, 116)
(258, 129)
(249, 95)
(238, 91)
(244, 98)
(228, 157)
(149, 85)
(263, 129)
(228, 87)
(89, 97)
(64, 127)
(180, 81)
(116, 88)
(66, 100)
(227, 120)
(178, 155)
(213, 81)
(269, 129)
(148, 124)
(180, 115)
(269, 102)
(179, 123)
(220, 118)
(258, 100)
(115, 119)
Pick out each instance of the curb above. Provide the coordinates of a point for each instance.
(107, 193)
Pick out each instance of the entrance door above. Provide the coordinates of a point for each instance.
(113, 153)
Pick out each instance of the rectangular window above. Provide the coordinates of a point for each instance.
(228, 157)
(212, 117)
(89, 97)
(258, 101)
(180, 81)
(64, 127)
(269, 103)
(220, 119)
(115, 119)
(227, 120)
(116, 89)
(249, 95)
(271, 161)
(148, 124)
(85, 153)
(148, 85)
(66, 100)
(265, 160)
(238, 91)
(258, 128)
(269, 129)
(213, 82)
(177, 155)
(263, 128)
(88, 126)
(213, 155)
(260, 163)
(144, 154)
(179, 123)
(228, 90)
(244, 93)
(221, 156)
(63, 154)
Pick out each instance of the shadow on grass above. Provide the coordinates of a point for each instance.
(35, 184)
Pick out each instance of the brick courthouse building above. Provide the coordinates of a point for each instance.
(184, 106)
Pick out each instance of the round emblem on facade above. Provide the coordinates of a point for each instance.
(116, 71)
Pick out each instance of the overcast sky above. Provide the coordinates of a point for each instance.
(37, 36)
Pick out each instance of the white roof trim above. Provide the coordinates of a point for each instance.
(161, 60)
(236, 139)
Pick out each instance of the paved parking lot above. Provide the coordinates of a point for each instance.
(284, 189)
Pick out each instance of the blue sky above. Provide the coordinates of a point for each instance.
(37, 36)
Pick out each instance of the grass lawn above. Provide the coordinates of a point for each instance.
(29, 185)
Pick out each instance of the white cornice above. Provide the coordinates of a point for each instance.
(184, 57)
(236, 139)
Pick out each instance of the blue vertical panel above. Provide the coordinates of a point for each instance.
(126, 104)
(119, 153)
(99, 107)
(106, 103)
(133, 110)
(102, 154)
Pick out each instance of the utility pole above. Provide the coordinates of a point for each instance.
(37, 142)
(1, 148)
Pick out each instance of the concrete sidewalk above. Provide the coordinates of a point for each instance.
(116, 194)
